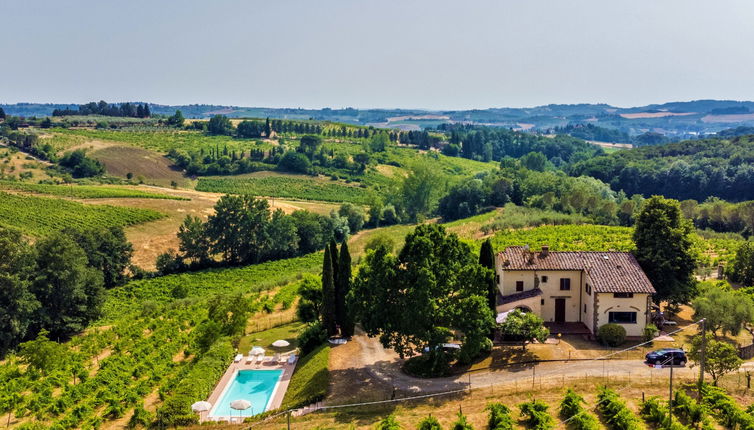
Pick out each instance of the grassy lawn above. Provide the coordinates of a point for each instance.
(310, 380)
(265, 338)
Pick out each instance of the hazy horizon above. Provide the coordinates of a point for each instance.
(435, 55)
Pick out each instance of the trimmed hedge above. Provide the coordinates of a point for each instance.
(611, 334)
(198, 384)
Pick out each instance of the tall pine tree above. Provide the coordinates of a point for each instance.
(344, 315)
(487, 259)
(328, 294)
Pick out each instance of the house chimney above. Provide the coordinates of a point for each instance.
(545, 250)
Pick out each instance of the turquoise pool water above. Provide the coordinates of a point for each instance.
(255, 386)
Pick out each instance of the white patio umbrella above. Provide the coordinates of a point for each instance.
(281, 343)
(240, 405)
(257, 350)
(501, 317)
(201, 406)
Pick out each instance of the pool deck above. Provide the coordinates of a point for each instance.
(277, 396)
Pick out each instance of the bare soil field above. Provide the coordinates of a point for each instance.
(120, 160)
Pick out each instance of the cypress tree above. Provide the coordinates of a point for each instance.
(147, 113)
(487, 259)
(328, 294)
(345, 318)
(334, 256)
(267, 128)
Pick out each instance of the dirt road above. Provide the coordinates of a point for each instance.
(384, 365)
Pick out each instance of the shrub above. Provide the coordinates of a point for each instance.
(197, 384)
(461, 423)
(611, 334)
(429, 365)
(295, 162)
(536, 416)
(429, 423)
(313, 336)
(650, 332)
(388, 423)
(500, 417)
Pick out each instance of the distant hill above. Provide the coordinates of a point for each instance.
(674, 120)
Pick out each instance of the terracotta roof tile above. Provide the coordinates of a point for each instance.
(510, 298)
(610, 272)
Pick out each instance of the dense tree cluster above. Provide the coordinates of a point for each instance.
(486, 144)
(56, 284)
(28, 142)
(103, 108)
(695, 169)
(550, 190)
(217, 161)
(244, 230)
(336, 313)
(81, 166)
(721, 216)
(420, 139)
(594, 132)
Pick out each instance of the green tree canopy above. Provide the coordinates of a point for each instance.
(664, 249)
(413, 300)
(17, 303)
(107, 250)
(220, 124)
(723, 310)
(194, 243)
(176, 120)
(742, 270)
(524, 326)
(421, 190)
(328, 293)
(70, 290)
(534, 161)
(720, 357)
(310, 303)
(487, 259)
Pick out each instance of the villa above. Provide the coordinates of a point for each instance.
(575, 292)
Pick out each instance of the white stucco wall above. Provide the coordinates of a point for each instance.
(638, 303)
(575, 297)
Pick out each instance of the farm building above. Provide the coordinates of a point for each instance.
(575, 292)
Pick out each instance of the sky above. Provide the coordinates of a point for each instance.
(432, 54)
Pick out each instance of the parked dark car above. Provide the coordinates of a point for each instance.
(667, 357)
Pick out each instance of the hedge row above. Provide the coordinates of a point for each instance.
(198, 383)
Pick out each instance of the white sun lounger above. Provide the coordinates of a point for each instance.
(249, 359)
(259, 359)
(238, 358)
(292, 359)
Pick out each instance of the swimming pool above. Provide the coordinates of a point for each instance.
(256, 386)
